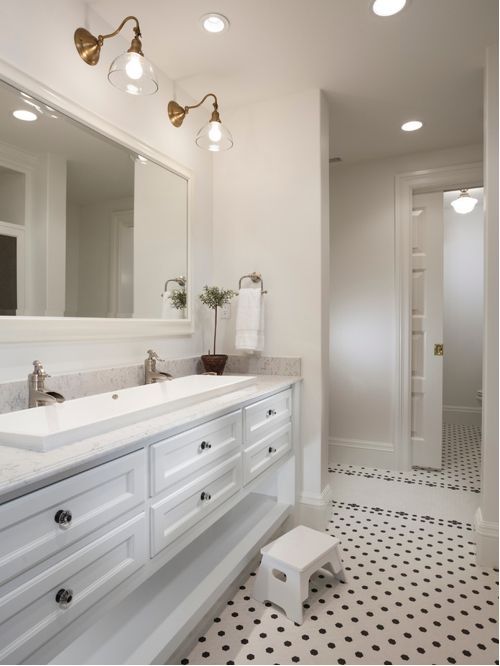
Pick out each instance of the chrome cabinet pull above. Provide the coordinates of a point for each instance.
(271, 412)
(205, 445)
(205, 496)
(64, 597)
(63, 519)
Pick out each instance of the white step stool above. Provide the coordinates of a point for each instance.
(294, 557)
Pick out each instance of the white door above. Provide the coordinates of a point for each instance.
(427, 329)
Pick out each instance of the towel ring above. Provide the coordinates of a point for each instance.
(181, 281)
(255, 277)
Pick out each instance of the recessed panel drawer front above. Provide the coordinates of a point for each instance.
(42, 606)
(177, 460)
(34, 527)
(260, 456)
(180, 511)
(264, 416)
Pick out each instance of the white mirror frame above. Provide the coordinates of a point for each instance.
(28, 329)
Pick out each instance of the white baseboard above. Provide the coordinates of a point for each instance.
(486, 541)
(313, 509)
(361, 452)
(462, 414)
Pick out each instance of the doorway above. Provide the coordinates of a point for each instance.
(446, 351)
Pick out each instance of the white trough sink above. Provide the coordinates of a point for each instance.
(45, 428)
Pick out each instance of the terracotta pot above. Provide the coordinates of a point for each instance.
(214, 362)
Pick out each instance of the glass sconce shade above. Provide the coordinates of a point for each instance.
(214, 137)
(132, 73)
(465, 203)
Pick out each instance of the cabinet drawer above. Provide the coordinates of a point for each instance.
(175, 514)
(264, 453)
(29, 532)
(263, 417)
(30, 614)
(174, 461)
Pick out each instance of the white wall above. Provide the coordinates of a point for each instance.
(270, 216)
(463, 268)
(160, 235)
(58, 67)
(362, 348)
(487, 515)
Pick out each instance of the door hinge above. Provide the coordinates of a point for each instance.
(438, 350)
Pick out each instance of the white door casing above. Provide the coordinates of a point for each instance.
(449, 177)
(121, 266)
(427, 329)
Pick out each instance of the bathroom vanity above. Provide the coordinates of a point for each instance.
(114, 547)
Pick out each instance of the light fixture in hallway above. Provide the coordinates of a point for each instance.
(412, 125)
(464, 203)
(387, 7)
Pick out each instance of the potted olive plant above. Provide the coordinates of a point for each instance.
(215, 298)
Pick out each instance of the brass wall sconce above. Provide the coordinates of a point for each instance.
(130, 72)
(213, 136)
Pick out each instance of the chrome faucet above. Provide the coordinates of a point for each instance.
(151, 374)
(38, 395)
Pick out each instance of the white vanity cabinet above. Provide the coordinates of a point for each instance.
(88, 547)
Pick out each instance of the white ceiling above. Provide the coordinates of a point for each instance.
(377, 72)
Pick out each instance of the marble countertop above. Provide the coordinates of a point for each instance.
(22, 471)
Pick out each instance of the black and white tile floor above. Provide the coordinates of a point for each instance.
(413, 595)
(461, 463)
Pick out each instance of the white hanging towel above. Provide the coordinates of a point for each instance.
(250, 321)
(167, 309)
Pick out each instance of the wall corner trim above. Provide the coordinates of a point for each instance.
(317, 499)
(486, 540)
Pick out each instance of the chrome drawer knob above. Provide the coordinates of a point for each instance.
(63, 519)
(64, 597)
(205, 445)
(271, 412)
(205, 496)
(271, 449)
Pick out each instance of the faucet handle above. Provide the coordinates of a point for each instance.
(153, 355)
(39, 369)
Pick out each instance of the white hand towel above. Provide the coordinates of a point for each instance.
(167, 309)
(250, 321)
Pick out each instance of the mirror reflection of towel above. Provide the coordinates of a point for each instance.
(167, 309)
(250, 321)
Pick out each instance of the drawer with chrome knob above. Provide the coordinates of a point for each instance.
(271, 412)
(205, 445)
(271, 449)
(205, 496)
(64, 597)
(63, 518)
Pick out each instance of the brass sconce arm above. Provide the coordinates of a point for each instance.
(136, 46)
(177, 113)
(89, 47)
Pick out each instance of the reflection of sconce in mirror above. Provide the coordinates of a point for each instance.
(213, 136)
(130, 71)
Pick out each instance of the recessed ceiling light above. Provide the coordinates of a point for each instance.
(23, 114)
(387, 7)
(214, 23)
(411, 126)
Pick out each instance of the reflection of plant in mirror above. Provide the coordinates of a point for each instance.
(178, 298)
(213, 298)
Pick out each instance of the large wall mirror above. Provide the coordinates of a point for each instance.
(89, 228)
